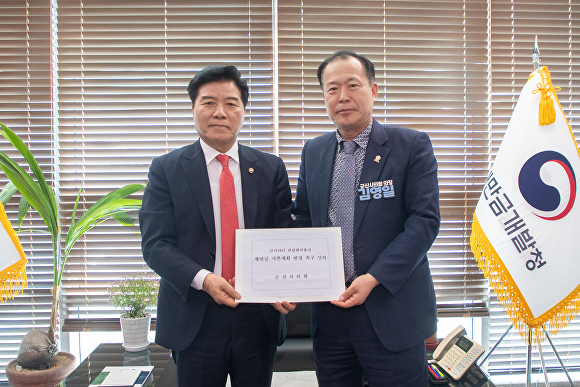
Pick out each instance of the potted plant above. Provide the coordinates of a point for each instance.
(38, 349)
(133, 296)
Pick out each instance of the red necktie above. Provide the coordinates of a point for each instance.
(229, 217)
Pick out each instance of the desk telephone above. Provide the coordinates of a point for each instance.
(456, 353)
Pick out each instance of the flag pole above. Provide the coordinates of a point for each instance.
(495, 346)
(536, 65)
(560, 360)
(543, 365)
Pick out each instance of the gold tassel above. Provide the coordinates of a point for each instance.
(547, 112)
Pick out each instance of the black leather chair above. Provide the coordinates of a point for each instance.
(296, 352)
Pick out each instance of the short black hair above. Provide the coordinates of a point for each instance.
(368, 65)
(218, 74)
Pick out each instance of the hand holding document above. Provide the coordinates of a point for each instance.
(289, 264)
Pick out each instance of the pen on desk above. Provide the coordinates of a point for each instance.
(436, 369)
(435, 374)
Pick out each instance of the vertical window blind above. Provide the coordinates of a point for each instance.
(108, 93)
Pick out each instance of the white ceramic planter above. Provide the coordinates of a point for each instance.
(135, 332)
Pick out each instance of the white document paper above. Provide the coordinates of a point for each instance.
(121, 377)
(289, 264)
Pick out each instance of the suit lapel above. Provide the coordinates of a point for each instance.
(251, 174)
(324, 180)
(376, 151)
(195, 170)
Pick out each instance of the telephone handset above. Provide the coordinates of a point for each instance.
(456, 353)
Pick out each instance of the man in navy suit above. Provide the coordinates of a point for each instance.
(210, 335)
(377, 328)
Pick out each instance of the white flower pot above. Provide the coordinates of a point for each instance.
(135, 332)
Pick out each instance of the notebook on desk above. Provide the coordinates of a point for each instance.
(134, 376)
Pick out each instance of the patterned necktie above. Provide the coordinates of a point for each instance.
(345, 208)
(229, 217)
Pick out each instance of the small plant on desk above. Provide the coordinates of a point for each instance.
(134, 295)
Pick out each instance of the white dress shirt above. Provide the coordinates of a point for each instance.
(214, 169)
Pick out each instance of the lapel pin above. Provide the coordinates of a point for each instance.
(377, 158)
(251, 170)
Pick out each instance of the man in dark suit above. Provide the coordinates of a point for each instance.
(187, 233)
(377, 328)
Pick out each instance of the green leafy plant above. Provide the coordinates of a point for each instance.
(134, 294)
(38, 194)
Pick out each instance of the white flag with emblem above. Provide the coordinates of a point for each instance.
(526, 222)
